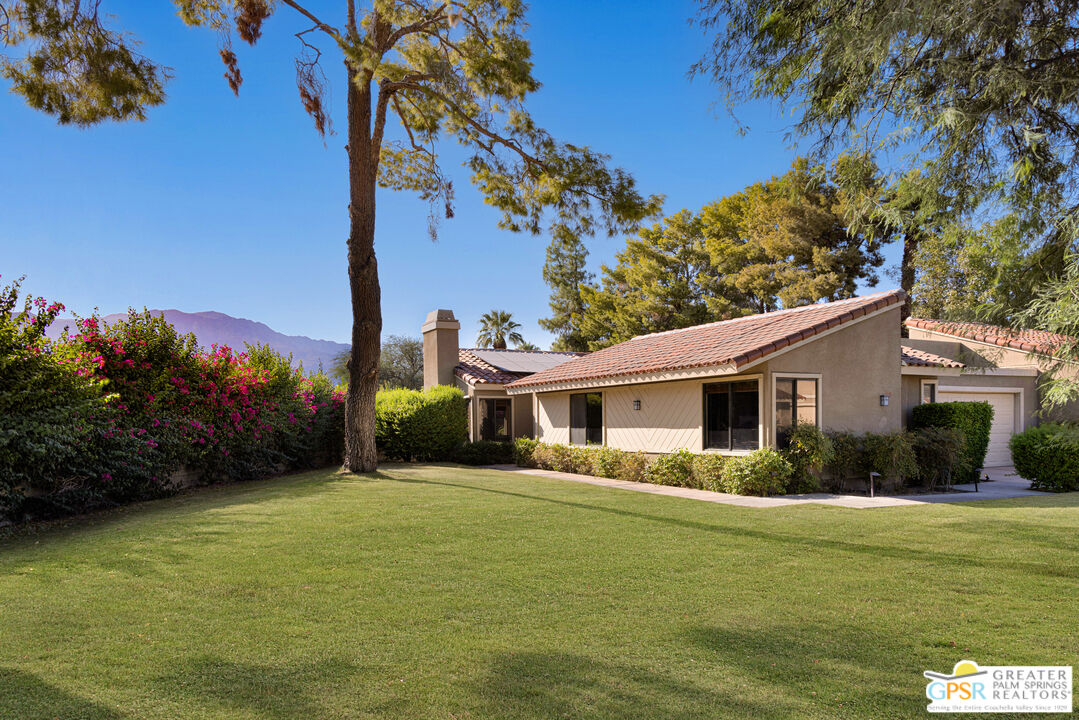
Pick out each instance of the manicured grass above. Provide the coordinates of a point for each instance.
(448, 592)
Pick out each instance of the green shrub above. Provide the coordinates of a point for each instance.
(558, 458)
(485, 452)
(1048, 456)
(761, 472)
(891, 455)
(708, 471)
(581, 460)
(523, 450)
(939, 450)
(809, 452)
(973, 419)
(633, 467)
(845, 460)
(414, 425)
(607, 461)
(675, 469)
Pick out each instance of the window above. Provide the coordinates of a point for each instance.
(495, 419)
(732, 415)
(929, 391)
(797, 401)
(586, 419)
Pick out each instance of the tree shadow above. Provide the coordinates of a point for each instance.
(193, 501)
(27, 697)
(900, 552)
(558, 685)
(277, 691)
(826, 665)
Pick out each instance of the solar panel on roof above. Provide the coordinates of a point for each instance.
(521, 362)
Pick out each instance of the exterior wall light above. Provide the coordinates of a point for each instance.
(636, 404)
(884, 400)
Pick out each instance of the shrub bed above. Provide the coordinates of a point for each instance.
(109, 414)
(973, 419)
(486, 452)
(415, 425)
(1048, 456)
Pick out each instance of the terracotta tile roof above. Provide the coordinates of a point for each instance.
(729, 342)
(476, 371)
(920, 358)
(1036, 341)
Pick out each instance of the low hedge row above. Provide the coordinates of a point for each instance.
(972, 419)
(1048, 456)
(813, 461)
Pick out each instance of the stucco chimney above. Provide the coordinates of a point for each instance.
(440, 347)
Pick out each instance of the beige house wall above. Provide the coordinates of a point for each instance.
(856, 365)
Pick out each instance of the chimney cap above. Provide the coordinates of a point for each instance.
(441, 319)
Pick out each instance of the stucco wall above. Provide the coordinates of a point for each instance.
(857, 364)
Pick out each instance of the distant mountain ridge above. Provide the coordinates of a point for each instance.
(215, 328)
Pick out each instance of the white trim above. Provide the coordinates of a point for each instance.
(690, 373)
(1002, 371)
(639, 379)
(602, 420)
(921, 391)
(798, 376)
(930, 371)
(1019, 422)
(759, 378)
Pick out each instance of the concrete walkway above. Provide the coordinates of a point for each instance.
(1006, 484)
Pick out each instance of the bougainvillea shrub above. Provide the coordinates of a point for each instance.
(111, 413)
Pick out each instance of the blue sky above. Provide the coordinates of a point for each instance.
(236, 205)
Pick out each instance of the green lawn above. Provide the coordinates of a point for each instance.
(446, 592)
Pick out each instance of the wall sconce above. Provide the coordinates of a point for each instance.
(884, 400)
(636, 404)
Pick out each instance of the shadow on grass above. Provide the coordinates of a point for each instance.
(26, 697)
(283, 692)
(190, 502)
(558, 685)
(827, 665)
(905, 553)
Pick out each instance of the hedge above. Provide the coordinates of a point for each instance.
(973, 419)
(1048, 456)
(424, 426)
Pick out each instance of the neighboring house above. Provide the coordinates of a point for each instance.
(734, 386)
(482, 375)
(1000, 366)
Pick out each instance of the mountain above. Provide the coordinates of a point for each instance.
(214, 328)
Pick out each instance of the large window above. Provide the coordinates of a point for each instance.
(797, 401)
(732, 415)
(496, 419)
(586, 419)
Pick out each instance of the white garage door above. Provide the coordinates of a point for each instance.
(1003, 421)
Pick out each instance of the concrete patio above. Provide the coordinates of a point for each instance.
(1005, 484)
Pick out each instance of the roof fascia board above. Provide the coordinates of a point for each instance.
(636, 379)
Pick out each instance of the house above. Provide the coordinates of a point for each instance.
(734, 386)
(482, 375)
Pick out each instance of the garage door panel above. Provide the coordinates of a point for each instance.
(1003, 421)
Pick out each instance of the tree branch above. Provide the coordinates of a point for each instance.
(328, 29)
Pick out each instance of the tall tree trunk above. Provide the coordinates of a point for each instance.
(911, 239)
(360, 453)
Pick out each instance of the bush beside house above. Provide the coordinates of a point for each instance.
(973, 419)
(1048, 456)
(420, 425)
